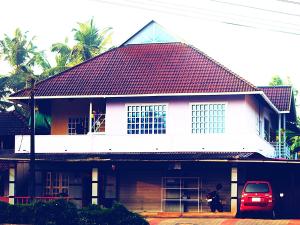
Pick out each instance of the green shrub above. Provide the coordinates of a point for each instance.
(59, 212)
(93, 215)
(119, 215)
(22, 214)
(4, 212)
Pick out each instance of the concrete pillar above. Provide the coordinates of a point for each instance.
(95, 186)
(11, 185)
(234, 189)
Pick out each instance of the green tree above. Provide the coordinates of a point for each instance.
(90, 41)
(293, 139)
(22, 55)
(276, 81)
(62, 58)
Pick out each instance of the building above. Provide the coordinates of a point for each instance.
(155, 124)
(11, 124)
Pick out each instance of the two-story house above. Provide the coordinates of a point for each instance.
(155, 124)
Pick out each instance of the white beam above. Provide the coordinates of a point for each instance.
(234, 189)
(95, 186)
(11, 185)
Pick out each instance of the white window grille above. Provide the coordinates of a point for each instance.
(208, 118)
(146, 119)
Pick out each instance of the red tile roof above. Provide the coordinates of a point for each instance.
(165, 68)
(12, 123)
(280, 96)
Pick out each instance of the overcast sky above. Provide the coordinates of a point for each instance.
(256, 39)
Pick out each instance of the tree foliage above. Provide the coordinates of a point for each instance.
(89, 42)
(292, 137)
(3, 93)
(276, 81)
(25, 59)
(23, 56)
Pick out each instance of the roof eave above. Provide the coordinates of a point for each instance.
(136, 95)
(158, 95)
(270, 103)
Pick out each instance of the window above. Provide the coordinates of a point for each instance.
(78, 125)
(146, 119)
(258, 125)
(208, 118)
(57, 184)
(257, 188)
(267, 129)
(110, 188)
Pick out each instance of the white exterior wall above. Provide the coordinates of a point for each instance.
(179, 114)
(240, 130)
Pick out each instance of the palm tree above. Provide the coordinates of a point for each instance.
(23, 56)
(90, 41)
(62, 58)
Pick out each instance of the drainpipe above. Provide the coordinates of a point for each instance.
(279, 135)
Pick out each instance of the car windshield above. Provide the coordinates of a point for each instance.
(257, 188)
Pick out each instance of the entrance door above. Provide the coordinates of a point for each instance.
(181, 194)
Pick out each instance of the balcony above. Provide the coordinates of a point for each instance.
(100, 143)
(282, 151)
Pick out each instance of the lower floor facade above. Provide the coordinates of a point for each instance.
(147, 186)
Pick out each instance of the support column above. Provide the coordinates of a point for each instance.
(279, 135)
(284, 137)
(90, 117)
(234, 189)
(95, 186)
(11, 184)
(284, 129)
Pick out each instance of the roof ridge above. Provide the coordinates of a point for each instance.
(222, 66)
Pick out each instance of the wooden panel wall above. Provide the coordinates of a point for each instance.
(140, 190)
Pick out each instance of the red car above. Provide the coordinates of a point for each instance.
(257, 196)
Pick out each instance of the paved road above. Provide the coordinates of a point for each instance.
(186, 221)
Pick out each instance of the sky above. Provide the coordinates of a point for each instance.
(256, 39)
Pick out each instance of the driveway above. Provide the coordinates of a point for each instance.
(211, 221)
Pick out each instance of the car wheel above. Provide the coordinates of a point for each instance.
(241, 215)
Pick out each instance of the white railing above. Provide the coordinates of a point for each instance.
(98, 123)
(282, 150)
(145, 143)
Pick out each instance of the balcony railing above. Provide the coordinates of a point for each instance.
(281, 151)
(144, 143)
(26, 199)
(98, 123)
